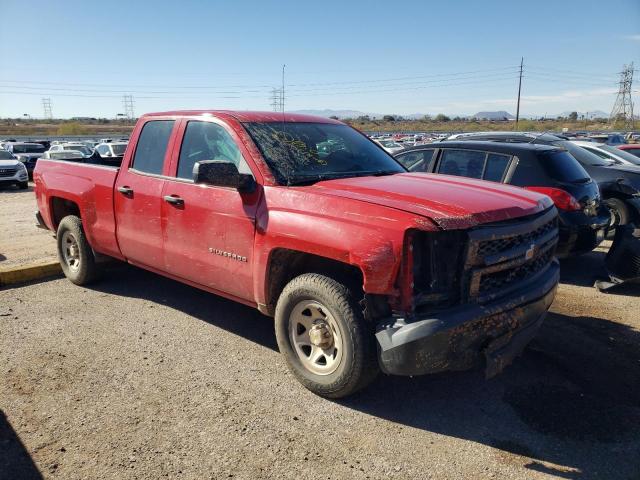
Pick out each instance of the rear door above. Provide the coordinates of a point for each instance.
(138, 195)
(474, 164)
(209, 232)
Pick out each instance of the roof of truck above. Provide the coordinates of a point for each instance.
(246, 116)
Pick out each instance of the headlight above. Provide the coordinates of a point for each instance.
(23, 166)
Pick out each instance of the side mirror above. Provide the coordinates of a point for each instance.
(222, 173)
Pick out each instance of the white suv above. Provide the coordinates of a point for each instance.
(12, 171)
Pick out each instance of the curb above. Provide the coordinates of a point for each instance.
(27, 273)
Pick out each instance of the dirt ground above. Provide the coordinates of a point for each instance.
(20, 242)
(143, 377)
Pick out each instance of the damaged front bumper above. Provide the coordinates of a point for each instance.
(470, 335)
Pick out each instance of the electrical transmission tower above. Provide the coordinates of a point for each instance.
(276, 102)
(623, 106)
(46, 105)
(127, 102)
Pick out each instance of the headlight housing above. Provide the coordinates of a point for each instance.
(438, 267)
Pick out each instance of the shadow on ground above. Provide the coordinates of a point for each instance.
(570, 399)
(15, 462)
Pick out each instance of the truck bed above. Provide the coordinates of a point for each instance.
(88, 186)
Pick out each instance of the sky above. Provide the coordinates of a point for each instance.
(402, 57)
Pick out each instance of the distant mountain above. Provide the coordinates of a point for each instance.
(499, 115)
(337, 113)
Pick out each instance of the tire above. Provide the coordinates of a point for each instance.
(23, 185)
(620, 211)
(74, 252)
(350, 362)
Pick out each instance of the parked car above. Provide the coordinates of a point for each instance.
(28, 153)
(390, 146)
(112, 149)
(78, 147)
(70, 155)
(619, 184)
(632, 148)
(363, 265)
(607, 152)
(608, 138)
(12, 171)
(545, 169)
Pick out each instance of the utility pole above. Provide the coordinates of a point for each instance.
(127, 102)
(46, 105)
(623, 106)
(519, 90)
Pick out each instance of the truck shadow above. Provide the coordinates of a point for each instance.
(231, 316)
(570, 406)
(15, 461)
(572, 401)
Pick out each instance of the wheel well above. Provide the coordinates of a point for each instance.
(60, 208)
(285, 265)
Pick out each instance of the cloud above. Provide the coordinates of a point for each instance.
(635, 38)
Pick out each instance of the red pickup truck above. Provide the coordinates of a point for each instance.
(363, 265)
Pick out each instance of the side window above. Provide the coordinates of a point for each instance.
(207, 141)
(152, 146)
(416, 161)
(463, 163)
(496, 167)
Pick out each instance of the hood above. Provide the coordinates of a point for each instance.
(9, 163)
(451, 202)
(30, 155)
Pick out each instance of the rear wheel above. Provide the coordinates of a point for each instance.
(324, 337)
(74, 252)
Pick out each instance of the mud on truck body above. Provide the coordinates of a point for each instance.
(364, 266)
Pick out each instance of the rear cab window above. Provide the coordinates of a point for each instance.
(152, 146)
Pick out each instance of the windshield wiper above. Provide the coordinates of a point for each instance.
(319, 177)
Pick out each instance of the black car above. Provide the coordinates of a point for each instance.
(545, 169)
(619, 183)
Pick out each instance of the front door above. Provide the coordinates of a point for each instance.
(138, 196)
(209, 230)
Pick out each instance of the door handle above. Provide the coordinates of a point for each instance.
(125, 190)
(174, 200)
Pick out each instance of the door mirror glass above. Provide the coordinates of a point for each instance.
(222, 173)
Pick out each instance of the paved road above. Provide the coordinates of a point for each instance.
(20, 242)
(143, 377)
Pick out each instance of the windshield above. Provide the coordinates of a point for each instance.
(584, 156)
(66, 154)
(80, 148)
(4, 155)
(118, 149)
(621, 154)
(309, 152)
(564, 168)
(35, 148)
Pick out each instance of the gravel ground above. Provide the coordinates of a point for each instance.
(143, 377)
(20, 242)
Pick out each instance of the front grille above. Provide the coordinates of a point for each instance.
(501, 256)
(490, 247)
(498, 280)
(8, 172)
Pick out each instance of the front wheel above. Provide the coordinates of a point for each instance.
(74, 252)
(23, 185)
(323, 335)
